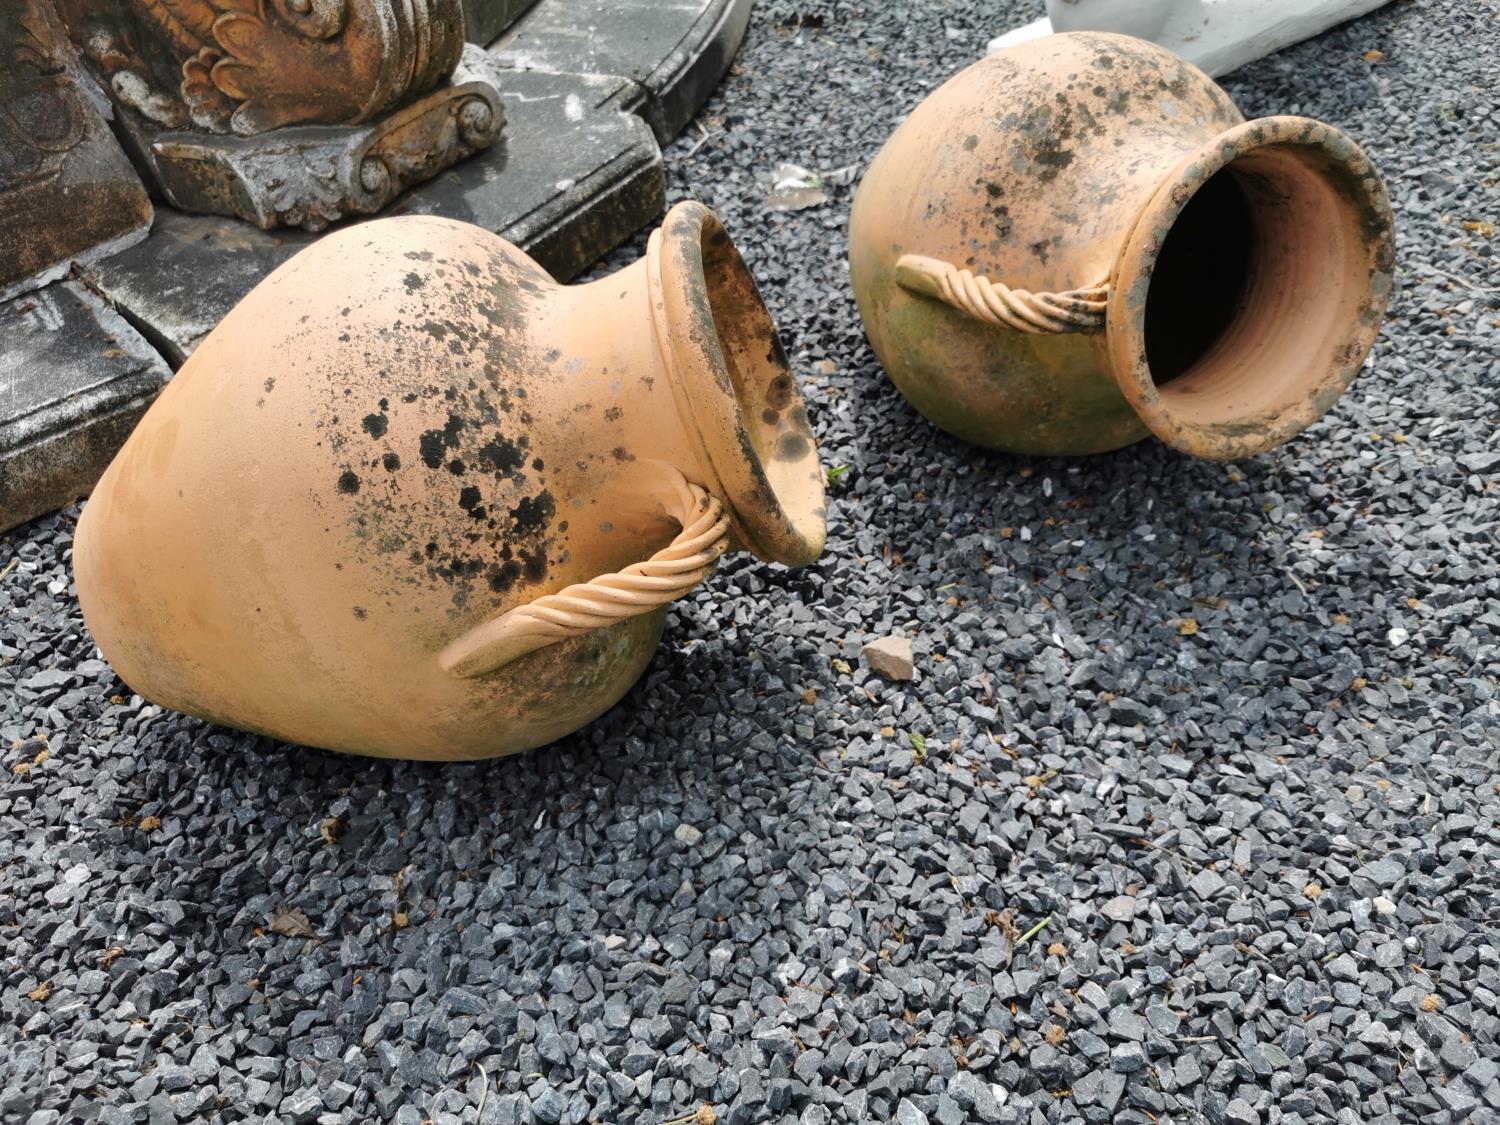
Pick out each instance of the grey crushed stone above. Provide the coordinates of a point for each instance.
(840, 940)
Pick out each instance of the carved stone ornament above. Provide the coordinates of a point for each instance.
(67, 191)
(313, 175)
(290, 112)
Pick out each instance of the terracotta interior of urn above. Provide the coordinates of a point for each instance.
(1262, 301)
(757, 434)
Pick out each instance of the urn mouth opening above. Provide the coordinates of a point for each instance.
(1251, 288)
(740, 391)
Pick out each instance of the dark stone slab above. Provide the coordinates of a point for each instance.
(674, 53)
(179, 283)
(567, 181)
(67, 190)
(485, 19)
(571, 179)
(74, 379)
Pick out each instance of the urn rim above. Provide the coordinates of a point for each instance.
(1322, 247)
(737, 388)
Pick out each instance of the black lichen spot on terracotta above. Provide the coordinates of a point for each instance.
(791, 447)
(413, 282)
(434, 443)
(770, 417)
(375, 425)
(533, 513)
(500, 456)
(419, 255)
(779, 392)
(1052, 161)
(614, 414)
(467, 568)
(620, 453)
(435, 330)
(456, 467)
(348, 482)
(534, 564)
(270, 385)
(501, 578)
(432, 448)
(468, 498)
(537, 464)
(359, 612)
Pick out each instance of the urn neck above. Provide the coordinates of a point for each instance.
(739, 405)
(1251, 287)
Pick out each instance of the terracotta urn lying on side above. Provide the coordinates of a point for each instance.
(1079, 241)
(412, 498)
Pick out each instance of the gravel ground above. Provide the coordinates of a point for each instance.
(1095, 861)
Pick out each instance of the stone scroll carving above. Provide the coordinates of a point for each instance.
(290, 112)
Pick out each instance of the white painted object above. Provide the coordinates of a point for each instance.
(1215, 35)
(1144, 19)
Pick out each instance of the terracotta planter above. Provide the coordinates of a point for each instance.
(413, 498)
(1080, 241)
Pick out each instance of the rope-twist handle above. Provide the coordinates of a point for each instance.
(1076, 310)
(585, 606)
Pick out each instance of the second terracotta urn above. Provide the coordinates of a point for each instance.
(1080, 241)
(413, 498)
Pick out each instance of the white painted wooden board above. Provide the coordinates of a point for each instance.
(1215, 35)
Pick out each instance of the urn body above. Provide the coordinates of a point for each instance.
(412, 498)
(1079, 241)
